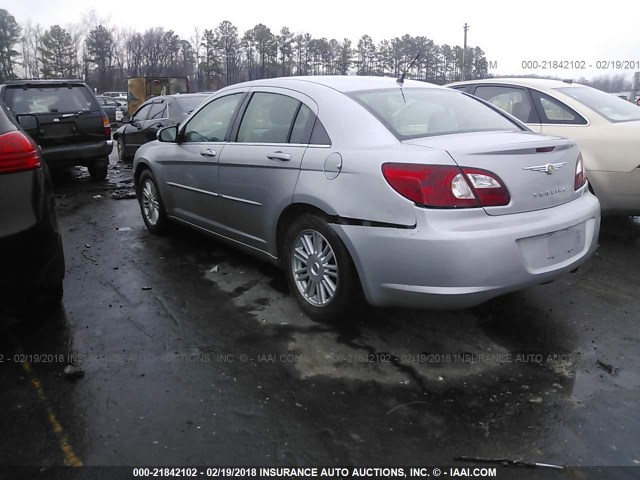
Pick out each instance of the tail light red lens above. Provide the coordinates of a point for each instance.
(581, 177)
(17, 153)
(445, 186)
(106, 124)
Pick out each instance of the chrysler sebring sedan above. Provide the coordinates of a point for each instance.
(406, 192)
(606, 128)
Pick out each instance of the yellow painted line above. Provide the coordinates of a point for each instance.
(70, 458)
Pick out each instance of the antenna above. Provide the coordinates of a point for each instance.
(404, 73)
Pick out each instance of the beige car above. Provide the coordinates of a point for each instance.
(606, 128)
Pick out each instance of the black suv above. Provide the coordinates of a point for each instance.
(72, 127)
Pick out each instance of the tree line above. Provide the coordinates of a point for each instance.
(104, 56)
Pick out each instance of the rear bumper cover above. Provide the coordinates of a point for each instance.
(459, 259)
(71, 154)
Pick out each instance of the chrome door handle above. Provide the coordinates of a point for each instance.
(207, 152)
(285, 157)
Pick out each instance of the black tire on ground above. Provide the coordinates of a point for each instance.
(49, 297)
(98, 172)
(122, 155)
(347, 297)
(151, 205)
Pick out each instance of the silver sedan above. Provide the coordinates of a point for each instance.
(400, 193)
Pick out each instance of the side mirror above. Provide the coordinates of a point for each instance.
(28, 122)
(167, 134)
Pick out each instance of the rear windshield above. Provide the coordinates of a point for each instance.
(188, 104)
(50, 99)
(609, 106)
(420, 112)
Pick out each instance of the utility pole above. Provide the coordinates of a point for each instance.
(464, 52)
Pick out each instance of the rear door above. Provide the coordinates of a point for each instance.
(259, 170)
(67, 113)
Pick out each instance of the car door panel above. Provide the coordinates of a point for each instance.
(259, 171)
(191, 169)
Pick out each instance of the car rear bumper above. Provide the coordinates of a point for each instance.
(71, 154)
(618, 192)
(458, 259)
(31, 252)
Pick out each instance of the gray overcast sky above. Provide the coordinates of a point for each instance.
(509, 32)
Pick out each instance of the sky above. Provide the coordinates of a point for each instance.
(514, 35)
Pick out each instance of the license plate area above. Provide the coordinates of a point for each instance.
(57, 130)
(561, 243)
(550, 250)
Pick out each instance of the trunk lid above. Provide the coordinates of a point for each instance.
(537, 170)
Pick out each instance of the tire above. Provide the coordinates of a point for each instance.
(326, 286)
(122, 156)
(48, 298)
(151, 205)
(98, 172)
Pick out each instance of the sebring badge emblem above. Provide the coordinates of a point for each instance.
(549, 168)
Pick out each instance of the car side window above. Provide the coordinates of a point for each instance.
(211, 123)
(157, 111)
(512, 100)
(268, 118)
(303, 125)
(110, 102)
(553, 111)
(319, 135)
(142, 113)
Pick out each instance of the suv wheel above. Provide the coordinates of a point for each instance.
(98, 172)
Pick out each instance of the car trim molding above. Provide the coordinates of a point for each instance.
(192, 189)
(242, 200)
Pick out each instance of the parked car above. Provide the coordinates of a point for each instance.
(73, 128)
(31, 251)
(115, 94)
(421, 195)
(606, 128)
(112, 108)
(155, 113)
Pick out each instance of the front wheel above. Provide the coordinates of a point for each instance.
(319, 270)
(151, 205)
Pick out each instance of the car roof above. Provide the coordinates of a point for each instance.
(46, 81)
(341, 83)
(523, 81)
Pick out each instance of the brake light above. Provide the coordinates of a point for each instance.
(106, 124)
(580, 178)
(445, 186)
(17, 153)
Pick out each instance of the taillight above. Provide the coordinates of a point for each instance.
(445, 186)
(580, 178)
(106, 124)
(17, 153)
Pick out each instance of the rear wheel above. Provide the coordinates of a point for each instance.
(151, 205)
(98, 172)
(319, 270)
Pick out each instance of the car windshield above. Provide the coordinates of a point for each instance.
(50, 99)
(609, 106)
(420, 112)
(188, 104)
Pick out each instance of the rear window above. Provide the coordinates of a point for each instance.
(189, 104)
(610, 107)
(50, 99)
(420, 112)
